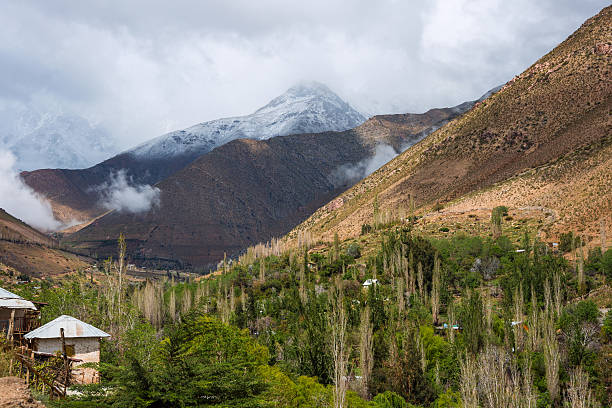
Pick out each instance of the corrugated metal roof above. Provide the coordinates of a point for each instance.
(9, 300)
(73, 327)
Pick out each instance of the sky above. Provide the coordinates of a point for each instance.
(142, 68)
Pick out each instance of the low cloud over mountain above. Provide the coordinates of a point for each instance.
(20, 200)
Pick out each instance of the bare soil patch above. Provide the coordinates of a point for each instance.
(14, 393)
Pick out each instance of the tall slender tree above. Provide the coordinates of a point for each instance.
(435, 289)
(366, 355)
(338, 322)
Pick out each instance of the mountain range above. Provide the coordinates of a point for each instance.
(307, 107)
(249, 190)
(542, 141)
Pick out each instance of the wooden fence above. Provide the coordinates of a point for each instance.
(51, 376)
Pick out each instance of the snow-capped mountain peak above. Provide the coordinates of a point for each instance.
(304, 91)
(308, 107)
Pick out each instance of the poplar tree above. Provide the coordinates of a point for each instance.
(366, 355)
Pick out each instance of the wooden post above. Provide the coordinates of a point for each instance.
(9, 336)
(11, 327)
(65, 357)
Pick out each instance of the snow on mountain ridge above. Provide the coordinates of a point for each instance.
(52, 139)
(305, 108)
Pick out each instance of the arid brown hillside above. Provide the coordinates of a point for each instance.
(25, 250)
(249, 191)
(13, 229)
(532, 129)
(72, 193)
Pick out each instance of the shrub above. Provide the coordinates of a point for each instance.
(606, 330)
(578, 323)
(567, 241)
(444, 229)
(606, 264)
(501, 209)
(448, 399)
(23, 277)
(353, 250)
(389, 399)
(437, 207)
(575, 315)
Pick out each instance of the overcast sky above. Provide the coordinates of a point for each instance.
(142, 68)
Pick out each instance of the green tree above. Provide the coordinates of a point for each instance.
(389, 399)
(201, 362)
(472, 321)
(448, 399)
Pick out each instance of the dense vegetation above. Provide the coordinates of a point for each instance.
(458, 322)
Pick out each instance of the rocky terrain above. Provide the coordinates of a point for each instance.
(13, 229)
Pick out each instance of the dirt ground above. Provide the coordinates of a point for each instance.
(14, 393)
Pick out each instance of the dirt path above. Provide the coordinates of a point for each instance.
(14, 393)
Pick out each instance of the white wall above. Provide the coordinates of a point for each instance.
(85, 348)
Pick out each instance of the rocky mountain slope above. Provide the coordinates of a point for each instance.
(306, 108)
(248, 191)
(543, 139)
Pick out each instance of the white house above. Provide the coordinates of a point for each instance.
(370, 282)
(82, 344)
(21, 310)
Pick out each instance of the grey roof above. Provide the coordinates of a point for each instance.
(73, 328)
(9, 300)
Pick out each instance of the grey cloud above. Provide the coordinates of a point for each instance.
(142, 68)
(21, 201)
(352, 173)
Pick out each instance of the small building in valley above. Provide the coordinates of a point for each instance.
(82, 342)
(17, 315)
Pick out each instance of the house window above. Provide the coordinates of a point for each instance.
(70, 350)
